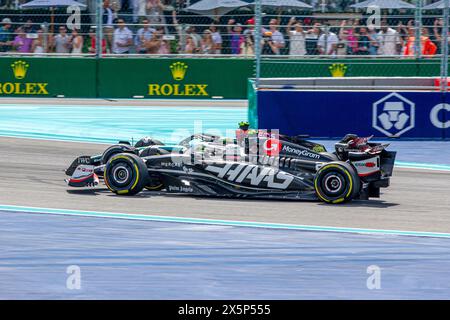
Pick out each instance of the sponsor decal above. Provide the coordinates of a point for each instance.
(272, 147)
(393, 115)
(171, 164)
(18, 87)
(338, 70)
(300, 152)
(178, 71)
(434, 116)
(181, 189)
(253, 175)
(367, 167)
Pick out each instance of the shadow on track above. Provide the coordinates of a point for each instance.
(148, 194)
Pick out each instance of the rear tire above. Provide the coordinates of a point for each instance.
(126, 174)
(337, 182)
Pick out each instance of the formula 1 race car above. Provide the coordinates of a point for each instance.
(255, 164)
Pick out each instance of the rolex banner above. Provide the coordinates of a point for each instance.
(172, 78)
(47, 77)
(175, 78)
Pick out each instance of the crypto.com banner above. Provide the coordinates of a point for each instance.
(333, 114)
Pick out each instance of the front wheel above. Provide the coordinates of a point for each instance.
(126, 174)
(337, 182)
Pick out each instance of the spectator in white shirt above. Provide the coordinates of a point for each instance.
(327, 44)
(297, 37)
(390, 41)
(123, 38)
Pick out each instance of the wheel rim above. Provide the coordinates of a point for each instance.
(121, 174)
(333, 184)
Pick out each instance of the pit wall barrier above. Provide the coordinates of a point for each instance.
(328, 114)
(171, 78)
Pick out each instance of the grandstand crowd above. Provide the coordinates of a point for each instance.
(157, 27)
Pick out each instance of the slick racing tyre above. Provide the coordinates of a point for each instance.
(116, 149)
(337, 182)
(126, 174)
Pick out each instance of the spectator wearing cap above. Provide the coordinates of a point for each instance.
(122, 38)
(21, 43)
(5, 35)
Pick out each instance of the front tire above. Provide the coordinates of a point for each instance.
(126, 174)
(337, 182)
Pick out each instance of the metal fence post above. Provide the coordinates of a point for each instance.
(99, 31)
(418, 27)
(445, 51)
(258, 39)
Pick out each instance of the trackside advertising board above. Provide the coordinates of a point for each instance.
(334, 114)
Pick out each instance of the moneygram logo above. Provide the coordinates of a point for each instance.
(178, 71)
(20, 70)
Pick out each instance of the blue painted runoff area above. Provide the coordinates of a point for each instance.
(127, 259)
(108, 125)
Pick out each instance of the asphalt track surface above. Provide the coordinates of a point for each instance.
(32, 175)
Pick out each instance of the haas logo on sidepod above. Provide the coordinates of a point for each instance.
(253, 175)
(393, 115)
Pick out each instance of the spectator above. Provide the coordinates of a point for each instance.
(276, 42)
(216, 38)
(143, 35)
(236, 36)
(352, 37)
(390, 42)
(155, 12)
(207, 44)
(248, 46)
(92, 42)
(139, 10)
(311, 39)
(60, 42)
(108, 28)
(157, 45)
(363, 42)
(428, 47)
(5, 35)
(342, 48)
(327, 44)
(190, 47)
(21, 42)
(297, 38)
(38, 46)
(76, 42)
(374, 41)
(122, 39)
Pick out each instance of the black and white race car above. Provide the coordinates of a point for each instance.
(256, 164)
